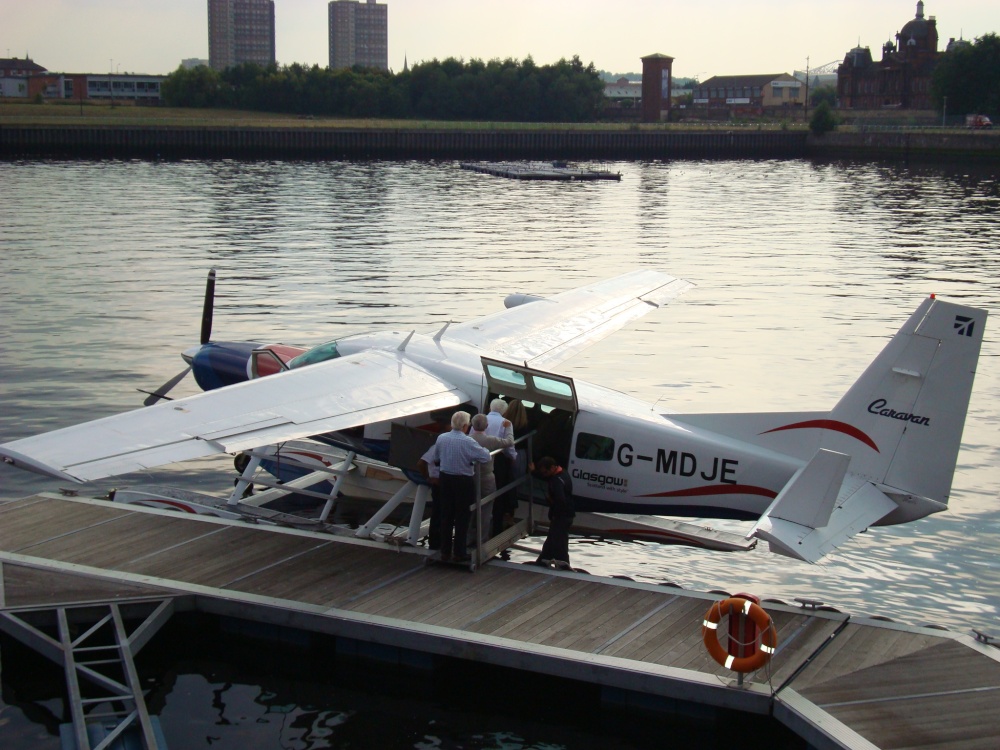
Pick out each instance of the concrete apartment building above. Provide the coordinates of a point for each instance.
(359, 34)
(240, 31)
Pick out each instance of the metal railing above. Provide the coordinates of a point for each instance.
(486, 550)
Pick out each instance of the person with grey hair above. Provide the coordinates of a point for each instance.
(487, 480)
(497, 408)
(456, 453)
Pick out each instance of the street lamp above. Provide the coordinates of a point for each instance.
(805, 105)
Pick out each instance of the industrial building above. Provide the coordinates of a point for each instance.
(750, 94)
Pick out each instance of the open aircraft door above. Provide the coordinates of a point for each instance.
(551, 398)
(527, 384)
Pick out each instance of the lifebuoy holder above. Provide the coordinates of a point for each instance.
(767, 633)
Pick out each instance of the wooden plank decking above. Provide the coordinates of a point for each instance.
(848, 684)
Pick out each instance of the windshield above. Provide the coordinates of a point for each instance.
(320, 353)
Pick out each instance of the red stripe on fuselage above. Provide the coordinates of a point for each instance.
(717, 489)
(829, 424)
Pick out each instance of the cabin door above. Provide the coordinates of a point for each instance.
(549, 399)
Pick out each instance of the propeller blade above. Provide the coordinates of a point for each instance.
(163, 390)
(207, 310)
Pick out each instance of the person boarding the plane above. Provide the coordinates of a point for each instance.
(495, 417)
(457, 452)
(487, 480)
(498, 424)
(559, 493)
(507, 469)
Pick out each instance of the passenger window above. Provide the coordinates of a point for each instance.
(594, 447)
(504, 375)
(553, 386)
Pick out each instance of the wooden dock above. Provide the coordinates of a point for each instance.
(837, 681)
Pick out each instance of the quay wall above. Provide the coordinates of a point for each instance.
(905, 144)
(345, 143)
(73, 141)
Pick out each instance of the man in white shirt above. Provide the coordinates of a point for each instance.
(456, 454)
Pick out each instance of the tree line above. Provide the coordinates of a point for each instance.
(451, 89)
(970, 78)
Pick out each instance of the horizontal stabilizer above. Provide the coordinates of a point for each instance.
(810, 495)
(820, 508)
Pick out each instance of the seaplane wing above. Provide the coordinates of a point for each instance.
(353, 390)
(544, 331)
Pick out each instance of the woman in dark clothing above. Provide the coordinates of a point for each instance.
(559, 492)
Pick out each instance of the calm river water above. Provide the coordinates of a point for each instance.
(803, 271)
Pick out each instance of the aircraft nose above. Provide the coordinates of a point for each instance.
(189, 354)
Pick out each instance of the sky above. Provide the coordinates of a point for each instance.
(713, 37)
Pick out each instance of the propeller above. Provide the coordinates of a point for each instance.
(163, 390)
(208, 308)
(206, 336)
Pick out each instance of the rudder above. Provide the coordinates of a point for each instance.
(902, 421)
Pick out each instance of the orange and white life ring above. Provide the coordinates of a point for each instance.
(760, 618)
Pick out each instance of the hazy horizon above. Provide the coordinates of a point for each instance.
(776, 37)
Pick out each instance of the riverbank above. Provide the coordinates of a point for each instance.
(906, 144)
(142, 132)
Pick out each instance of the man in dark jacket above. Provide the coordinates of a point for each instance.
(559, 492)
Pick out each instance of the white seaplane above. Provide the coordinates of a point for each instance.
(885, 454)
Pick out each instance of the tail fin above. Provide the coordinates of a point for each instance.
(902, 420)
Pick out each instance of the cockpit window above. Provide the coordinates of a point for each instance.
(320, 353)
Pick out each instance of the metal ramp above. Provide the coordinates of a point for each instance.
(96, 645)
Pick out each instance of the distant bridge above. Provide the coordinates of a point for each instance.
(830, 67)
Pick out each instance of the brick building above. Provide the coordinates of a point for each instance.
(14, 74)
(902, 79)
(750, 94)
(657, 80)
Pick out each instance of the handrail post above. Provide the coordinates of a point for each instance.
(477, 477)
(531, 484)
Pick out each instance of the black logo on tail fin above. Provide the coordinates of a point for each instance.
(964, 325)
